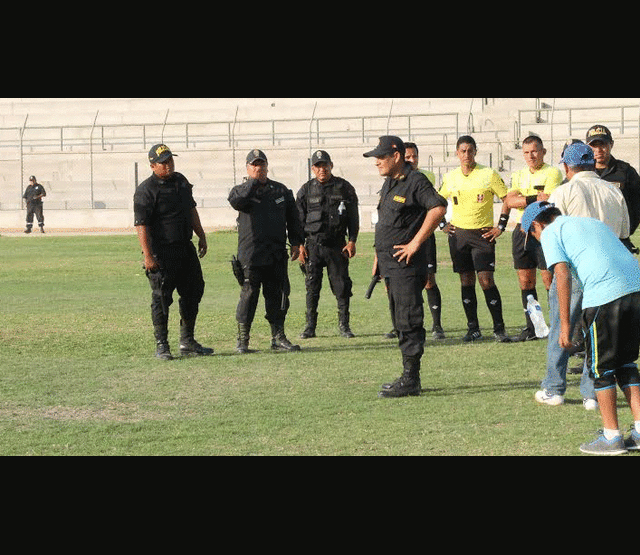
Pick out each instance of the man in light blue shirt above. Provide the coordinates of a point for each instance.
(588, 246)
(610, 278)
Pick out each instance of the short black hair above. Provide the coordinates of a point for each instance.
(466, 139)
(411, 145)
(548, 215)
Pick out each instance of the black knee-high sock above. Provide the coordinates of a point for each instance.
(470, 305)
(525, 294)
(494, 303)
(435, 301)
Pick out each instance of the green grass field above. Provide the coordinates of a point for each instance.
(78, 376)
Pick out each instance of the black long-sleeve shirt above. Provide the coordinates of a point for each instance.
(267, 215)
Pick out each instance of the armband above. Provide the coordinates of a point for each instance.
(531, 199)
(502, 222)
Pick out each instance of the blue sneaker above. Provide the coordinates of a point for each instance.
(603, 446)
(633, 440)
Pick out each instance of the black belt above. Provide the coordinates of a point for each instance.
(325, 242)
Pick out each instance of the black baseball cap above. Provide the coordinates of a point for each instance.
(599, 133)
(254, 155)
(320, 156)
(388, 144)
(160, 153)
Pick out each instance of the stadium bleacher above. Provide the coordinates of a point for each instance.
(89, 152)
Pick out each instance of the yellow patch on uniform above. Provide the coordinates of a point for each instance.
(398, 198)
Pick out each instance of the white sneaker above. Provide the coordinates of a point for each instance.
(546, 398)
(590, 404)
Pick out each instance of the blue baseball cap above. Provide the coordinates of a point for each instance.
(578, 154)
(532, 211)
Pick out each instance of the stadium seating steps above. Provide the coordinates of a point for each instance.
(90, 152)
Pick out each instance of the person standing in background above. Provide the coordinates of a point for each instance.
(33, 194)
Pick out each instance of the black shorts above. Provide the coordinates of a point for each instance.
(432, 263)
(528, 259)
(612, 341)
(470, 252)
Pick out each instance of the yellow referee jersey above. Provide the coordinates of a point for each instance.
(472, 196)
(545, 180)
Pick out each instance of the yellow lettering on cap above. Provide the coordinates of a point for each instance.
(161, 149)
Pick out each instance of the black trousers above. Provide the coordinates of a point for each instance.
(180, 271)
(337, 271)
(406, 302)
(274, 280)
(35, 208)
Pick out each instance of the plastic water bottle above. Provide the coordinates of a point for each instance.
(535, 313)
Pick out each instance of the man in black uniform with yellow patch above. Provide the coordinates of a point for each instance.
(409, 211)
(166, 217)
(621, 173)
(328, 208)
(267, 214)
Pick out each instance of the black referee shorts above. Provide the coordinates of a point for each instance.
(612, 341)
(471, 252)
(528, 259)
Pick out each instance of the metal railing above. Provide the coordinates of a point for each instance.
(620, 118)
(222, 134)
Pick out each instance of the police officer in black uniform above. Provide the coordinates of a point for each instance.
(328, 208)
(267, 214)
(33, 195)
(616, 171)
(165, 218)
(409, 211)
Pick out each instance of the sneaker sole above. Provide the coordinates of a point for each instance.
(605, 453)
(545, 402)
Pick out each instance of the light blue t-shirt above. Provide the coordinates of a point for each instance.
(604, 266)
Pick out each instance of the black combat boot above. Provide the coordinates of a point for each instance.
(310, 330)
(279, 340)
(343, 321)
(408, 383)
(242, 346)
(188, 345)
(163, 351)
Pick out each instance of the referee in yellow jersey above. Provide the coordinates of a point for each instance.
(472, 235)
(535, 182)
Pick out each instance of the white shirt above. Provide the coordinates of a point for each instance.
(586, 195)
